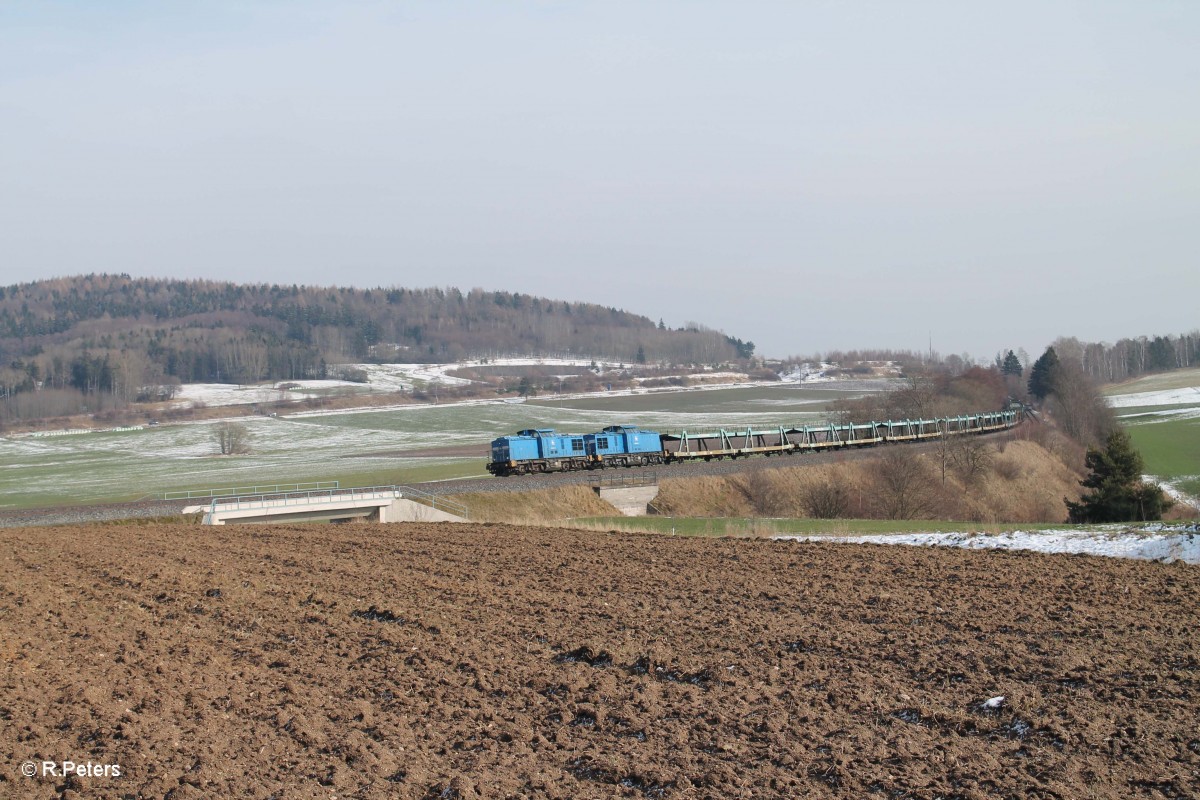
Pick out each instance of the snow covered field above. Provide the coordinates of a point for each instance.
(1166, 397)
(306, 446)
(1156, 542)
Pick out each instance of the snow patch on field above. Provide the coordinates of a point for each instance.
(1160, 416)
(439, 373)
(227, 394)
(1153, 543)
(1166, 397)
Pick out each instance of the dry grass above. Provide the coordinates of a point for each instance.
(1025, 483)
(535, 507)
(1028, 485)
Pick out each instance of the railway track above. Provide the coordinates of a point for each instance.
(702, 468)
(109, 512)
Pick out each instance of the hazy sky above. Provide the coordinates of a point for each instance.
(807, 175)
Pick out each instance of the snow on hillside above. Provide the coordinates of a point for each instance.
(381, 378)
(388, 378)
(228, 394)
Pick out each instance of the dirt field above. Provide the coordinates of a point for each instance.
(431, 661)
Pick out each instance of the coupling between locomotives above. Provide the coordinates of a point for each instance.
(540, 450)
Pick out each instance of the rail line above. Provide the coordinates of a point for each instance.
(542, 451)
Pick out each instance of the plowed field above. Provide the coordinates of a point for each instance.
(442, 661)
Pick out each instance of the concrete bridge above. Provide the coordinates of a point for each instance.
(631, 495)
(373, 503)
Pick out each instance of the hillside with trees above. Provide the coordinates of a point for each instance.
(116, 339)
(1131, 357)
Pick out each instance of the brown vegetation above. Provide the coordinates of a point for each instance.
(1025, 481)
(930, 394)
(537, 506)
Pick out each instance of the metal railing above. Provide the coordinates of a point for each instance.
(434, 501)
(308, 497)
(278, 488)
(619, 481)
(281, 495)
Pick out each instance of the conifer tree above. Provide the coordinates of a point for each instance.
(1118, 493)
(1012, 365)
(1043, 375)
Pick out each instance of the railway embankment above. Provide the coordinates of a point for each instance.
(1020, 477)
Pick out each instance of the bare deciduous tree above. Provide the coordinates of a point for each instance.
(916, 398)
(971, 457)
(233, 438)
(903, 484)
(1079, 406)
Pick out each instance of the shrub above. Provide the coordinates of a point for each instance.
(233, 438)
(826, 500)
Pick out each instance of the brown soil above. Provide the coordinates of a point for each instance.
(444, 661)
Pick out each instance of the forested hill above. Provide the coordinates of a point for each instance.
(115, 334)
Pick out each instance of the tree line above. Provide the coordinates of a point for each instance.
(135, 338)
(1131, 357)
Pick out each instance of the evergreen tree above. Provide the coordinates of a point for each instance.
(1043, 375)
(1118, 493)
(1012, 365)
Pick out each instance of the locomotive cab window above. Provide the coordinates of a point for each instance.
(577, 445)
(602, 442)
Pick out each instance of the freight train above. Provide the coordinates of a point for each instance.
(538, 450)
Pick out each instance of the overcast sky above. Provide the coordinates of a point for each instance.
(806, 175)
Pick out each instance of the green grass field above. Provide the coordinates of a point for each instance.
(117, 467)
(1167, 435)
(1171, 450)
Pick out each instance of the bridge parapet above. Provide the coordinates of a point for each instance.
(377, 503)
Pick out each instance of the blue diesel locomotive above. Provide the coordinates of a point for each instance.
(543, 450)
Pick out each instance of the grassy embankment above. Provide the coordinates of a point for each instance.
(1022, 485)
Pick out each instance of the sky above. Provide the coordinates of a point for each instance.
(805, 175)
